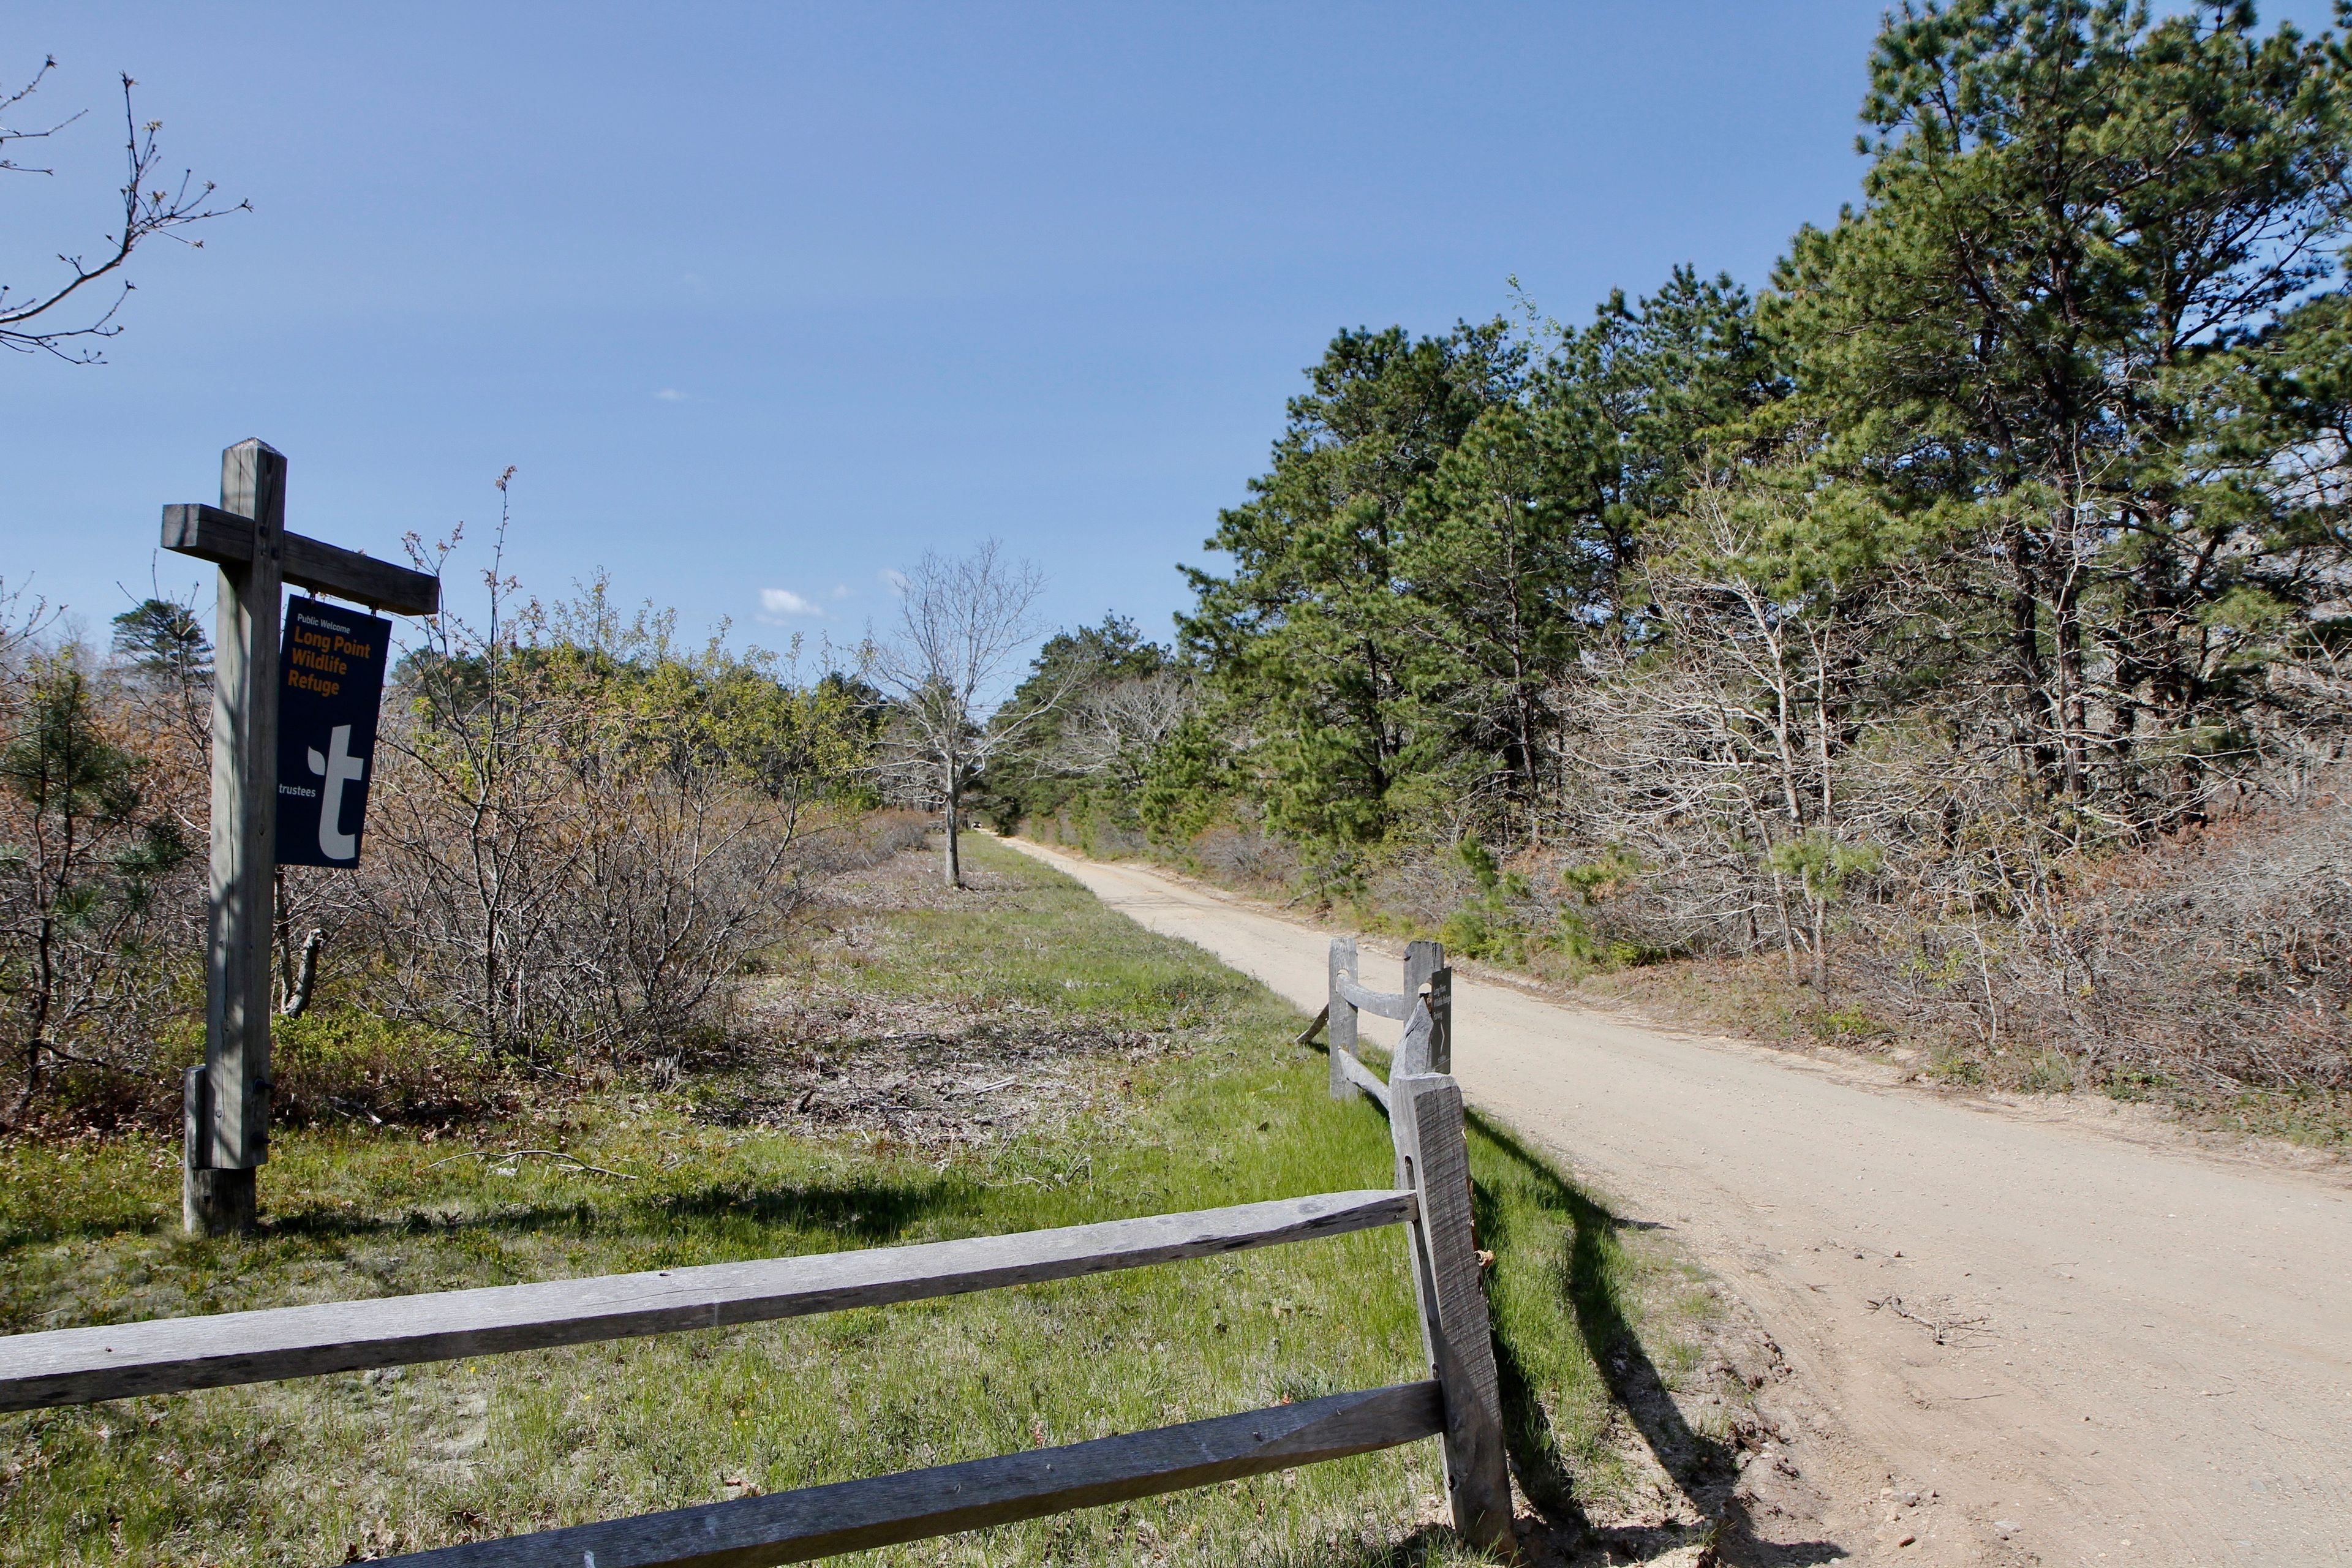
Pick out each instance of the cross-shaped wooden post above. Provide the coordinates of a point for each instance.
(228, 1124)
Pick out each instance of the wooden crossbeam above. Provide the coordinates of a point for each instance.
(1380, 1004)
(76, 1366)
(914, 1505)
(1364, 1078)
(210, 534)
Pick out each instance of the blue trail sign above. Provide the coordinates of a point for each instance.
(330, 684)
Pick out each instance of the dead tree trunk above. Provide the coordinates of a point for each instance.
(953, 859)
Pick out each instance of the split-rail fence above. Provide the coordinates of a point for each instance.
(1458, 1403)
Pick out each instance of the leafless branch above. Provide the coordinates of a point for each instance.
(1109, 732)
(8, 164)
(150, 209)
(531, 1154)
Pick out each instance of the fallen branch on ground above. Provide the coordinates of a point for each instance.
(353, 1108)
(531, 1153)
(1933, 1319)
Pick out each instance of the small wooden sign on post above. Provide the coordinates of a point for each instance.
(227, 1120)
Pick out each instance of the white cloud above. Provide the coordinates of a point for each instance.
(894, 580)
(784, 601)
(840, 591)
(671, 395)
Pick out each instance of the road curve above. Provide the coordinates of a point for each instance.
(2162, 1369)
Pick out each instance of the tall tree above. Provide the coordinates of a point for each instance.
(1499, 594)
(1302, 633)
(1630, 405)
(2076, 222)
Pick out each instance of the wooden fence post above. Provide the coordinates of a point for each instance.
(1413, 1044)
(219, 1188)
(1441, 1021)
(1411, 1060)
(196, 1131)
(1422, 958)
(1433, 1148)
(1425, 964)
(1339, 1025)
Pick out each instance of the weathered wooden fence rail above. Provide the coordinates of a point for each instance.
(1459, 1402)
(166, 1355)
(856, 1516)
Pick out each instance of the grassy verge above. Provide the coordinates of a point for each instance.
(1143, 1078)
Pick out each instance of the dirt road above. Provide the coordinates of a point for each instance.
(2148, 1348)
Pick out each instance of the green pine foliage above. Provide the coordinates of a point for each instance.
(83, 846)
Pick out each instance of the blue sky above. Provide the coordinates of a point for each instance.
(763, 302)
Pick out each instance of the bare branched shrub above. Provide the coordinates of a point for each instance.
(585, 834)
(1721, 758)
(1827, 771)
(1425, 888)
(2214, 960)
(1244, 852)
(581, 833)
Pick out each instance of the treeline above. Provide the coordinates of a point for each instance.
(1953, 631)
(1925, 623)
(582, 835)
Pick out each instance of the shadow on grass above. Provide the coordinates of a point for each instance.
(48, 1232)
(870, 1214)
(1705, 1470)
(1430, 1543)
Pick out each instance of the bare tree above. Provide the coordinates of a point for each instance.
(1111, 730)
(35, 323)
(961, 624)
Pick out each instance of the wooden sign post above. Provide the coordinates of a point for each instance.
(227, 1120)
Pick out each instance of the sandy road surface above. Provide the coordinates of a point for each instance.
(2160, 1370)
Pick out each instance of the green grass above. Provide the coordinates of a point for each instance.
(1226, 1111)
